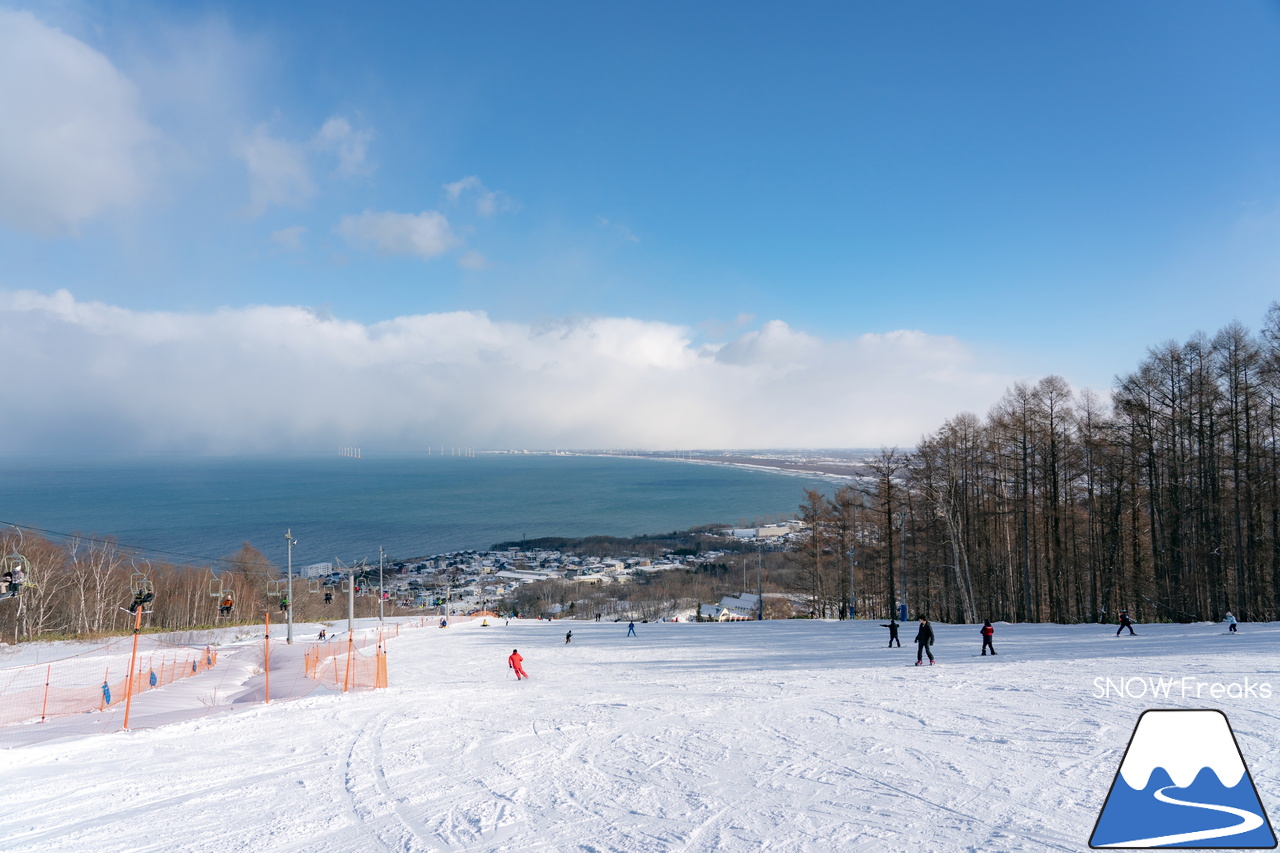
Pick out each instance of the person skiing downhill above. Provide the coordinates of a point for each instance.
(987, 632)
(924, 639)
(893, 632)
(1231, 622)
(568, 638)
(514, 662)
(1125, 622)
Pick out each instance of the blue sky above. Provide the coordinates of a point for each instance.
(1027, 188)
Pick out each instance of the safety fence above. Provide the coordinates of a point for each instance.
(95, 680)
(105, 678)
(349, 665)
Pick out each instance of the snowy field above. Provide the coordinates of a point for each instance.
(806, 736)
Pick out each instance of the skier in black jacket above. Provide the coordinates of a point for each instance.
(893, 632)
(1125, 622)
(924, 639)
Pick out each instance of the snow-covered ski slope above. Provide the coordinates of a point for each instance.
(797, 736)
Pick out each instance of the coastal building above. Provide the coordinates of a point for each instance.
(732, 608)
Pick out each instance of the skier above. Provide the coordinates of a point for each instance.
(284, 604)
(568, 637)
(514, 662)
(987, 632)
(893, 632)
(322, 634)
(328, 597)
(1125, 623)
(224, 609)
(924, 639)
(631, 629)
(1231, 622)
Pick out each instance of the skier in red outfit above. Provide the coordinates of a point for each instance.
(514, 662)
(987, 631)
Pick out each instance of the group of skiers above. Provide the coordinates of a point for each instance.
(924, 639)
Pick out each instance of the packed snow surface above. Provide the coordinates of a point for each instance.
(795, 735)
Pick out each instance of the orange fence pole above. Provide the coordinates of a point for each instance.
(128, 693)
(266, 655)
(45, 707)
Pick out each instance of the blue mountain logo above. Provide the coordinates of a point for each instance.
(1183, 783)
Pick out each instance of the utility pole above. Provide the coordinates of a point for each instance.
(852, 596)
(288, 613)
(380, 556)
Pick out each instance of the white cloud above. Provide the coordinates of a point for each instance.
(289, 238)
(278, 172)
(619, 229)
(73, 140)
(425, 234)
(351, 146)
(487, 201)
(91, 375)
(473, 261)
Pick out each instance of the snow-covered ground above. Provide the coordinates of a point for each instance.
(776, 735)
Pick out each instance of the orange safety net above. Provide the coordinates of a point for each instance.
(351, 665)
(93, 681)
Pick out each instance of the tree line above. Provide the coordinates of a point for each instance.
(83, 587)
(1063, 506)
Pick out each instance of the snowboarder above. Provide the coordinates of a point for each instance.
(1231, 622)
(987, 632)
(631, 629)
(328, 597)
(1125, 623)
(893, 632)
(514, 662)
(224, 609)
(924, 639)
(284, 603)
(322, 634)
(568, 637)
(142, 599)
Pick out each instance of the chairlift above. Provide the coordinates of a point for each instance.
(143, 591)
(15, 570)
(273, 588)
(313, 584)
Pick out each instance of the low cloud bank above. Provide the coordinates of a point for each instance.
(86, 375)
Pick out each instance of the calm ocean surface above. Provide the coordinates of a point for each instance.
(412, 506)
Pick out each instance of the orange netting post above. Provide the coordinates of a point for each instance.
(346, 681)
(380, 680)
(45, 706)
(128, 693)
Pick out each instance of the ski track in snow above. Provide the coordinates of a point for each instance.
(790, 736)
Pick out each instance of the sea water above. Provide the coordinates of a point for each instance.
(203, 508)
